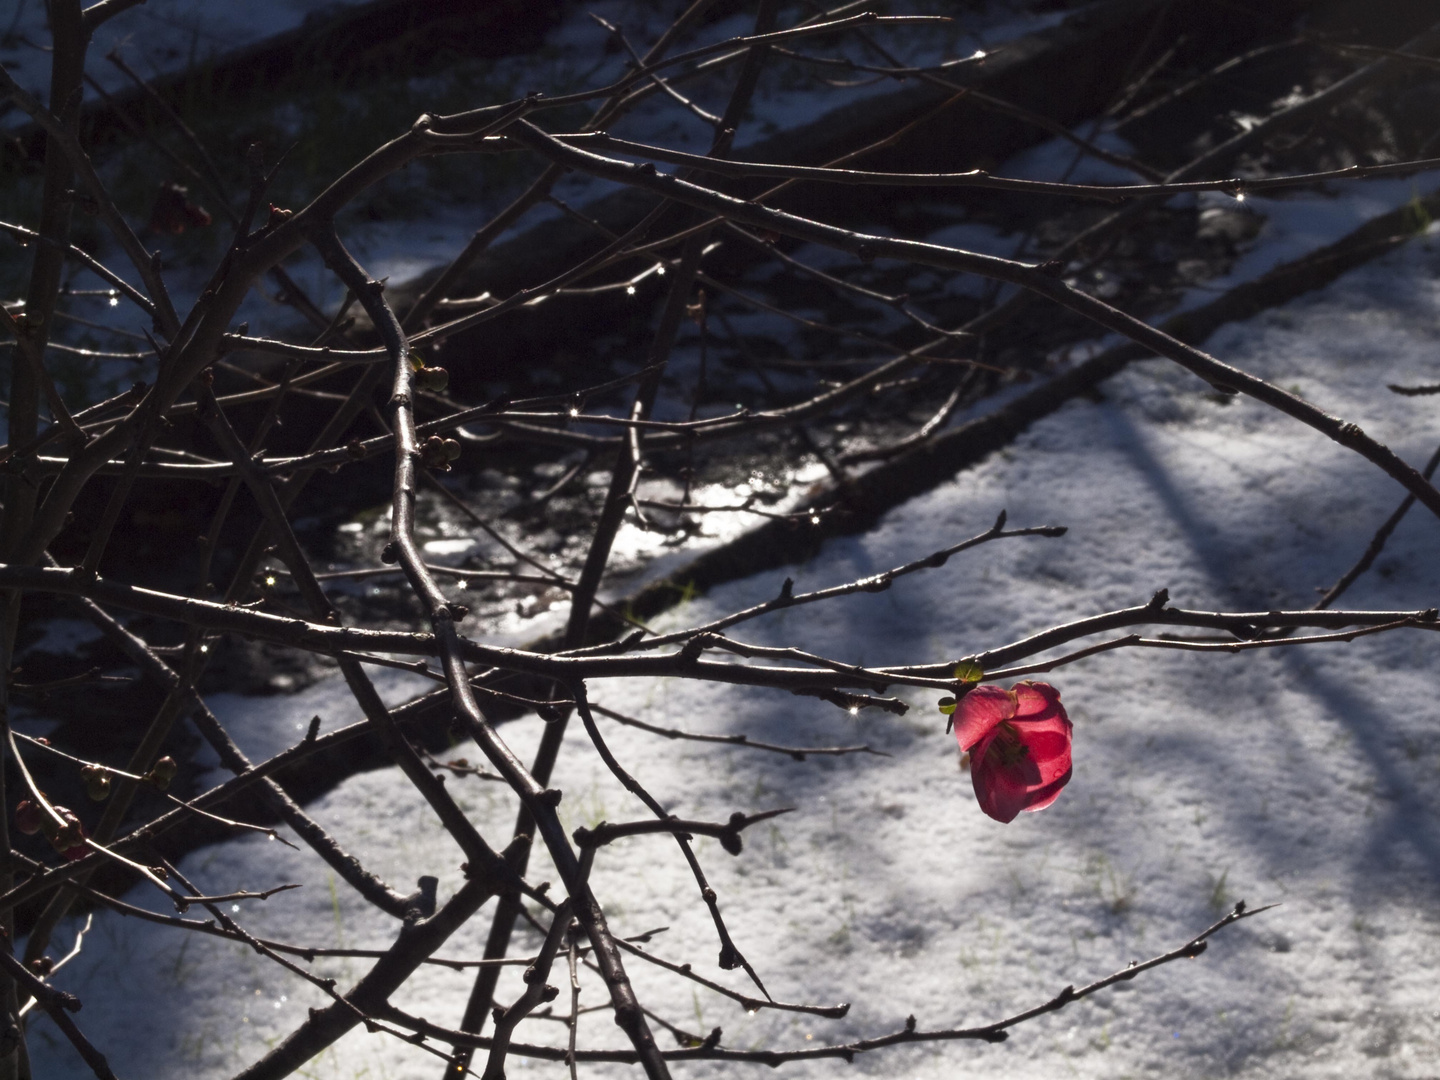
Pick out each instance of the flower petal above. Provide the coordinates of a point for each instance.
(1044, 729)
(1002, 790)
(1044, 796)
(979, 711)
(1049, 751)
(1036, 701)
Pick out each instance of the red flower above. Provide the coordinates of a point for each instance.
(1019, 743)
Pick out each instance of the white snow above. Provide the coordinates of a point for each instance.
(1304, 777)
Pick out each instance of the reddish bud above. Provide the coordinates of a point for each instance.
(433, 453)
(69, 840)
(29, 818)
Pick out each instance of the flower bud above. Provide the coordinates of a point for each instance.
(97, 783)
(434, 379)
(78, 850)
(433, 454)
(162, 772)
(69, 839)
(452, 449)
(28, 817)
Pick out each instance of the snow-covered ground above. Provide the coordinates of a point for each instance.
(1306, 777)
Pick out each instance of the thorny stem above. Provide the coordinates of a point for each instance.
(539, 801)
(617, 500)
(69, 36)
(995, 1032)
(1222, 376)
(730, 956)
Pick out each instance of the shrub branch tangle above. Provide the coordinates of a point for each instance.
(54, 456)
